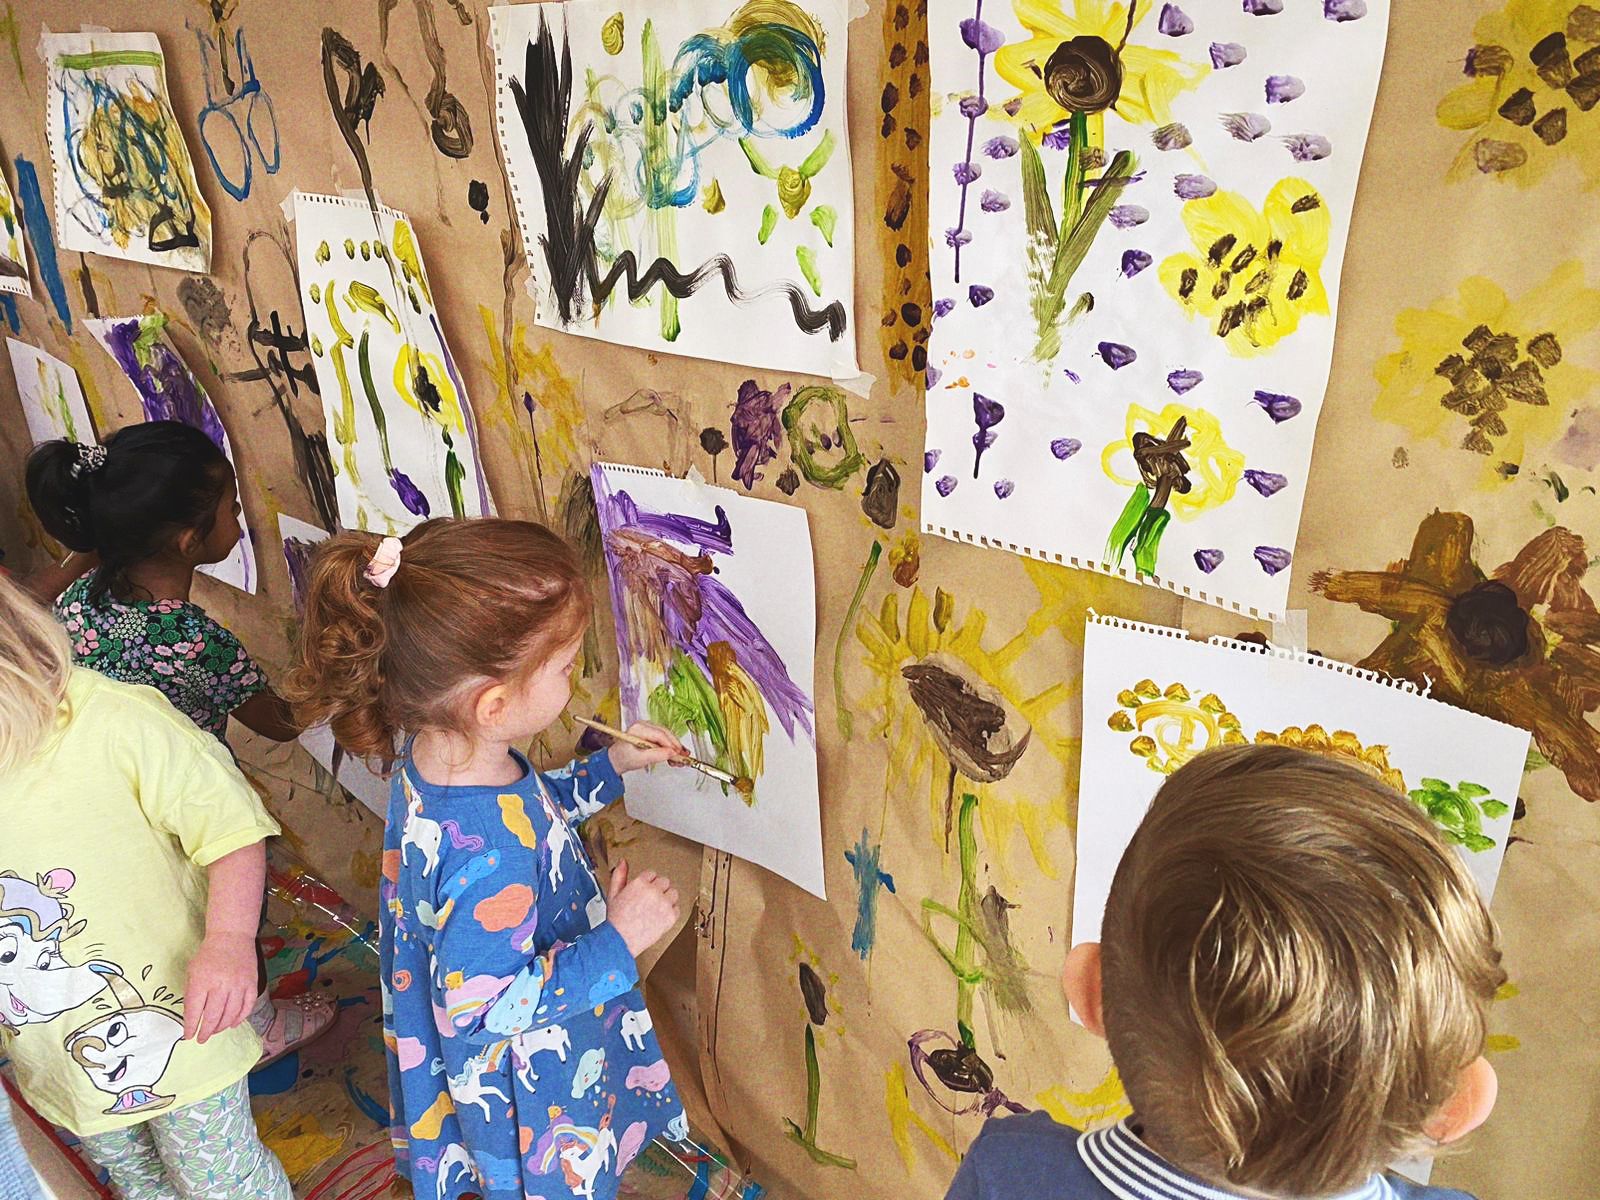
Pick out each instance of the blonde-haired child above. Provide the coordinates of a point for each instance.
(1294, 977)
(131, 869)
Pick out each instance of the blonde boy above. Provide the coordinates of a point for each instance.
(1293, 979)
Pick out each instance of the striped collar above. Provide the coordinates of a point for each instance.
(1130, 1170)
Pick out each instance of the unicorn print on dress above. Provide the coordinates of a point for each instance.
(455, 1158)
(471, 1087)
(525, 1045)
(582, 1164)
(561, 841)
(636, 1023)
(427, 836)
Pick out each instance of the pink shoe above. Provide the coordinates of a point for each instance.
(295, 1023)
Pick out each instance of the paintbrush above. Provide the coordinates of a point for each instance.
(739, 784)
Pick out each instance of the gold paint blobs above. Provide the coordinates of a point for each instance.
(611, 34)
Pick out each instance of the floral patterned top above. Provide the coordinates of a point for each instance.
(170, 645)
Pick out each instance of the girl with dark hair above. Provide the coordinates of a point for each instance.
(154, 503)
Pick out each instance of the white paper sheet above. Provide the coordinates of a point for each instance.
(1265, 118)
(1266, 693)
(715, 605)
(124, 181)
(752, 164)
(52, 396)
(352, 774)
(299, 538)
(169, 391)
(13, 244)
(400, 427)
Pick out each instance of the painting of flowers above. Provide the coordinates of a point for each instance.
(1137, 206)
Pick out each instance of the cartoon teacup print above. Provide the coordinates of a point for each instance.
(37, 984)
(125, 1053)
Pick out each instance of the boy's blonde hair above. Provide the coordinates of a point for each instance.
(35, 658)
(1296, 968)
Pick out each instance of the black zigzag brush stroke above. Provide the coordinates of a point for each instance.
(544, 104)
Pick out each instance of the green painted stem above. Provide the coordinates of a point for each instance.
(845, 717)
(364, 358)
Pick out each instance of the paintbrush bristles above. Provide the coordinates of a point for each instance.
(704, 768)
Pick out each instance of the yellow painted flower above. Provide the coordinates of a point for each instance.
(1341, 743)
(1150, 78)
(1533, 81)
(424, 384)
(1253, 275)
(1171, 725)
(1215, 468)
(1487, 373)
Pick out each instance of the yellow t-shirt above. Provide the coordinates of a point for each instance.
(104, 840)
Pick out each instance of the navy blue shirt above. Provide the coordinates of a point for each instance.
(1032, 1156)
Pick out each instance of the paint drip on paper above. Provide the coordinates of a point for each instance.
(51, 395)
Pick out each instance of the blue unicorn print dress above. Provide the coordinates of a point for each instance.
(522, 1062)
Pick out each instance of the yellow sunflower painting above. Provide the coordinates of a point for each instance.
(1490, 374)
(1533, 81)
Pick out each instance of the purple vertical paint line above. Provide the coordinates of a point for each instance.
(977, 43)
(466, 415)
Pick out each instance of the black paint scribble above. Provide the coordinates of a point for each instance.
(449, 125)
(544, 103)
(352, 107)
(478, 199)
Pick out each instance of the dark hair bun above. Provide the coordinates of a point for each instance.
(60, 491)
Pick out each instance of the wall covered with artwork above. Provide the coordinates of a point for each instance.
(959, 318)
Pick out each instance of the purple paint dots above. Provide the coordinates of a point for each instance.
(1283, 88)
(1344, 10)
(1116, 355)
(966, 172)
(1174, 21)
(1227, 54)
(978, 295)
(1308, 147)
(1277, 406)
(1245, 127)
(930, 460)
(1071, 374)
(1134, 261)
(1208, 560)
(1261, 8)
(1126, 216)
(973, 107)
(945, 485)
(1268, 483)
(931, 376)
(1065, 448)
(1171, 137)
(1001, 147)
(957, 237)
(981, 36)
(1003, 488)
(992, 201)
(943, 307)
(1273, 558)
(1193, 187)
(1182, 381)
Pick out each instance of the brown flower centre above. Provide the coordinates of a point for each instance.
(1084, 74)
(1488, 624)
(1490, 375)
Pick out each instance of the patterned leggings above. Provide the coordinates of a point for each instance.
(207, 1151)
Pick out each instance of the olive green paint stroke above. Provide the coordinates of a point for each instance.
(95, 59)
(769, 222)
(364, 357)
(826, 218)
(9, 31)
(807, 258)
(687, 703)
(1056, 252)
(344, 429)
(962, 959)
(807, 1137)
(658, 165)
(454, 476)
(802, 447)
(845, 717)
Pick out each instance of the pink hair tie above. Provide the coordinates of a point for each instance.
(385, 562)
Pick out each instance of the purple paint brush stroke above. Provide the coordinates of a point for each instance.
(167, 392)
(721, 618)
(757, 428)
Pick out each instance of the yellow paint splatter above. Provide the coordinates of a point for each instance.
(405, 253)
(302, 1143)
(557, 411)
